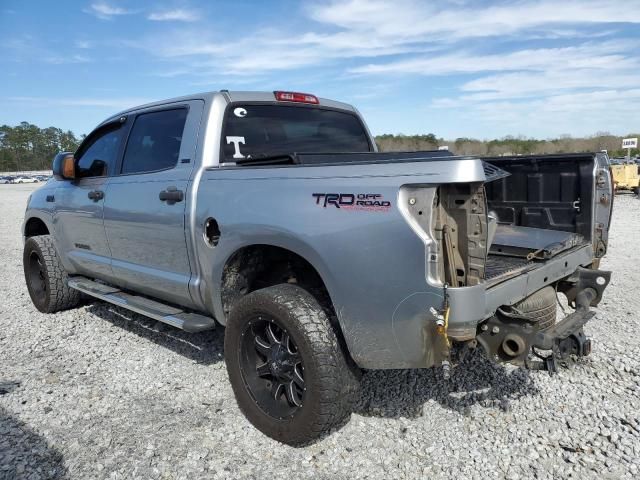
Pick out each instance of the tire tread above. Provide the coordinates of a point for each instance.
(339, 383)
(59, 295)
(541, 306)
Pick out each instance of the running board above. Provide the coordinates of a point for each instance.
(187, 321)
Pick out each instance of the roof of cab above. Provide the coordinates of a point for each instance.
(231, 96)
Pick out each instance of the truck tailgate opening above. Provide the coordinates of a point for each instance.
(515, 249)
(528, 242)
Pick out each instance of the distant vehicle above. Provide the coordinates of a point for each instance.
(8, 179)
(26, 180)
(626, 177)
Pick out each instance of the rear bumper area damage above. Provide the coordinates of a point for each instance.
(513, 338)
(508, 290)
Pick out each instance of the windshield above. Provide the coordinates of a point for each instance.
(263, 130)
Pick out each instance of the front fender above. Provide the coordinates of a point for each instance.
(38, 208)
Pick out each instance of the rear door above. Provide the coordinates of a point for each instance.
(78, 219)
(145, 203)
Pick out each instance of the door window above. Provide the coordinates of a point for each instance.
(99, 155)
(154, 142)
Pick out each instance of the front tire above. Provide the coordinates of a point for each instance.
(289, 375)
(46, 277)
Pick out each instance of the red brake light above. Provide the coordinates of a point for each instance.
(296, 97)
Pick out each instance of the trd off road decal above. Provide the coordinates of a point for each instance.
(353, 201)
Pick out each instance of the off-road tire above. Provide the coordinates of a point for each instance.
(47, 283)
(540, 307)
(331, 385)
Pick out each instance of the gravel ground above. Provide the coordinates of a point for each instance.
(99, 392)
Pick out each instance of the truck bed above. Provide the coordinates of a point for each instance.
(501, 266)
(513, 244)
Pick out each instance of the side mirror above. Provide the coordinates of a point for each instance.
(64, 166)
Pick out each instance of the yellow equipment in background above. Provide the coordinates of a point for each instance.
(625, 177)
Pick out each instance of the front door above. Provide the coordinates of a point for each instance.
(145, 203)
(78, 219)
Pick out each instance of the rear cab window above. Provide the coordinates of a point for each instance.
(258, 130)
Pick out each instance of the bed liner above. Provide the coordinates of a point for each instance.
(516, 249)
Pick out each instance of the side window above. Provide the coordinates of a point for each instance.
(154, 141)
(99, 155)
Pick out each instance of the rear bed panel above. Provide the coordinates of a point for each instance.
(552, 192)
(568, 192)
(373, 263)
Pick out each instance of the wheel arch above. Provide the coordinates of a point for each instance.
(259, 265)
(35, 226)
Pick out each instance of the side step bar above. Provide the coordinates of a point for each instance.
(187, 321)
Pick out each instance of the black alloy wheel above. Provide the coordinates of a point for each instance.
(290, 376)
(36, 277)
(272, 368)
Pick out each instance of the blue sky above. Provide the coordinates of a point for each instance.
(459, 68)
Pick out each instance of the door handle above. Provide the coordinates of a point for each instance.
(171, 195)
(96, 195)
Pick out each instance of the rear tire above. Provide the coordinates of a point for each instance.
(284, 327)
(46, 277)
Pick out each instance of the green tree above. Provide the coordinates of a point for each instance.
(29, 147)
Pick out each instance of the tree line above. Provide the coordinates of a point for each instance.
(507, 145)
(29, 147)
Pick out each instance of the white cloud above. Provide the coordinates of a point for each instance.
(111, 103)
(83, 44)
(177, 15)
(411, 20)
(27, 48)
(199, 48)
(581, 89)
(525, 59)
(377, 29)
(612, 54)
(106, 11)
(527, 84)
(61, 60)
(580, 113)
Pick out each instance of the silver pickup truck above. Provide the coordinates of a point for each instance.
(274, 215)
